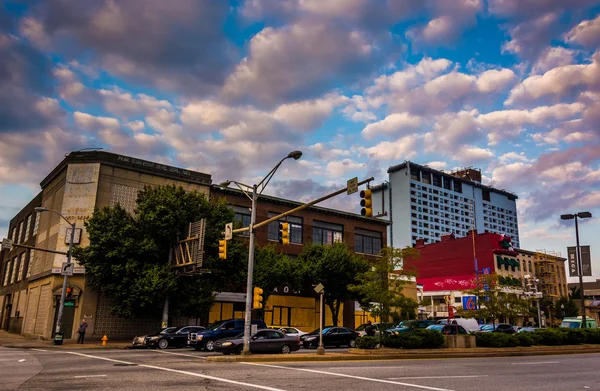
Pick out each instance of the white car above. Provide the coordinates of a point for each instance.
(292, 331)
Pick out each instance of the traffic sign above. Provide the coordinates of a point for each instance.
(352, 185)
(7, 244)
(67, 269)
(228, 231)
(319, 288)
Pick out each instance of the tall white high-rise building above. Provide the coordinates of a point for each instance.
(424, 203)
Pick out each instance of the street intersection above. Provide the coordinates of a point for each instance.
(84, 369)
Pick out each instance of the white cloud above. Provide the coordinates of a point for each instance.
(514, 157)
(341, 168)
(586, 33)
(553, 57)
(470, 155)
(391, 125)
(90, 122)
(495, 80)
(437, 165)
(452, 129)
(403, 148)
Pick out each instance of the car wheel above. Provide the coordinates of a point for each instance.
(226, 353)
(210, 346)
(285, 349)
(239, 350)
(352, 343)
(163, 344)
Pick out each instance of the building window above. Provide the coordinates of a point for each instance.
(36, 225)
(21, 267)
(367, 242)
(15, 267)
(457, 187)
(242, 215)
(27, 227)
(21, 233)
(295, 228)
(6, 273)
(327, 233)
(30, 263)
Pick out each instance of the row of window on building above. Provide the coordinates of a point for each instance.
(365, 241)
(18, 268)
(435, 180)
(22, 232)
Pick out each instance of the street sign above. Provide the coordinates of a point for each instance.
(228, 231)
(586, 262)
(76, 237)
(319, 288)
(7, 244)
(67, 269)
(352, 185)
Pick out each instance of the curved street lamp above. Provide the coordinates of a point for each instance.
(66, 279)
(256, 190)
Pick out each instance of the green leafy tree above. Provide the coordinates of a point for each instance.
(336, 267)
(273, 269)
(381, 286)
(127, 259)
(494, 300)
(574, 293)
(569, 309)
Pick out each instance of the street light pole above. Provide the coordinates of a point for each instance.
(257, 189)
(576, 216)
(63, 293)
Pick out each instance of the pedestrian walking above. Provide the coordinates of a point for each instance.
(81, 331)
(370, 329)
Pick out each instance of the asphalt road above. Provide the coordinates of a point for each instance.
(183, 369)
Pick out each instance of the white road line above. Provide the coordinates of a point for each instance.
(354, 368)
(535, 363)
(349, 376)
(182, 354)
(435, 377)
(39, 350)
(86, 376)
(220, 379)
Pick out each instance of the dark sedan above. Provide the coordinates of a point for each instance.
(264, 341)
(332, 336)
(176, 337)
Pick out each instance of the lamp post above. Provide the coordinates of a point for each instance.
(257, 190)
(66, 279)
(580, 215)
(562, 308)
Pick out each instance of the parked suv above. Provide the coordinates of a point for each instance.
(222, 329)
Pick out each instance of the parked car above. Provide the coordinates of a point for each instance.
(332, 336)
(470, 325)
(292, 331)
(448, 329)
(170, 337)
(142, 341)
(486, 328)
(576, 322)
(405, 326)
(527, 329)
(222, 329)
(377, 325)
(505, 328)
(264, 341)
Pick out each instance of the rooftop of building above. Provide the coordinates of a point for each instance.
(465, 176)
(541, 254)
(127, 163)
(294, 204)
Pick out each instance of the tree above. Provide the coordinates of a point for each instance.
(494, 300)
(381, 286)
(575, 293)
(570, 308)
(273, 269)
(127, 259)
(336, 267)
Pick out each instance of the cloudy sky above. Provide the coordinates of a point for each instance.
(228, 88)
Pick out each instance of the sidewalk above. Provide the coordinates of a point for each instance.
(10, 340)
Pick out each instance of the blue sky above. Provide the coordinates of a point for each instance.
(508, 86)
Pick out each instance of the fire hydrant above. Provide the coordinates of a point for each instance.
(104, 339)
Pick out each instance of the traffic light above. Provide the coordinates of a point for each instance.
(257, 299)
(366, 203)
(222, 249)
(284, 233)
(69, 292)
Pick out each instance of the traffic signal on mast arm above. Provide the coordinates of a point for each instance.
(284, 233)
(69, 293)
(222, 249)
(257, 298)
(366, 203)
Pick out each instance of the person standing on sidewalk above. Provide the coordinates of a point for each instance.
(81, 331)
(370, 329)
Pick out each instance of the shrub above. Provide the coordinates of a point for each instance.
(430, 339)
(496, 340)
(573, 336)
(417, 339)
(525, 339)
(367, 342)
(549, 337)
(592, 336)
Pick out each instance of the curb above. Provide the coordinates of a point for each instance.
(416, 354)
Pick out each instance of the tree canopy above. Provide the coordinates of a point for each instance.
(127, 259)
(336, 267)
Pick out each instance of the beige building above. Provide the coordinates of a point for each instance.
(549, 268)
(82, 182)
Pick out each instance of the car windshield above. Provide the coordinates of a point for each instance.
(167, 330)
(326, 329)
(437, 327)
(214, 326)
(361, 327)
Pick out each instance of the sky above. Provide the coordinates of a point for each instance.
(511, 87)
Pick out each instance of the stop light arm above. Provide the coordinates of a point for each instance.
(301, 207)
